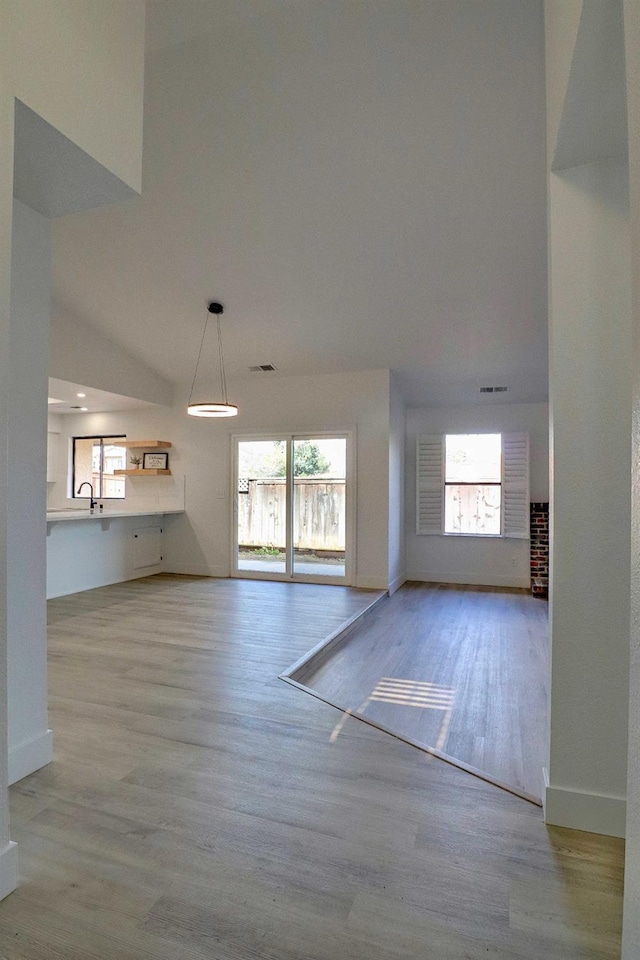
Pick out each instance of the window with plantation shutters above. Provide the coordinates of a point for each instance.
(515, 485)
(430, 463)
(473, 485)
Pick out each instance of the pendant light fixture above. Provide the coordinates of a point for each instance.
(212, 408)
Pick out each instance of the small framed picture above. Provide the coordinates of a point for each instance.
(155, 461)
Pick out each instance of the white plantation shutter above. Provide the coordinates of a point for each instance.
(515, 485)
(429, 484)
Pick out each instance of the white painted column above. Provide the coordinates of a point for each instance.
(397, 431)
(8, 851)
(95, 53)
(590, 394)
(631, 919)
(30, 745)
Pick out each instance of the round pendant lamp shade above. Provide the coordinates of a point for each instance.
(212, 410)
(218, 406)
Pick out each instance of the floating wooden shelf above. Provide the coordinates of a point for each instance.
(144, 444)
(142, 473)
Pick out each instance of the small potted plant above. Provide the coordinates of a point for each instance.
(136, 461)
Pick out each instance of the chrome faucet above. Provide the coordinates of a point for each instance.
(92, 502)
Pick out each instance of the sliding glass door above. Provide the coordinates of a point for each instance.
(319, 467)
(292, 508)
(261, 506)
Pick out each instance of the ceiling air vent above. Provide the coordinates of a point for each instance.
(262, 368)
(493, 389)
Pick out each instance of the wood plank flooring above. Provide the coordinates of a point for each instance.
(200, 809)
(461, 669)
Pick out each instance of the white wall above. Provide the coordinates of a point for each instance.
(81, 354)
(199, 542)
(30, 744)
(53, 443)
(631, 925)
(397, 425)
(494, 562)
(561, 21)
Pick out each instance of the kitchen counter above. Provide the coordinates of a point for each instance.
(56, 516)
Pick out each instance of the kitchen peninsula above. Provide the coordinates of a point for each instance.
(93, 550)
(122, 537)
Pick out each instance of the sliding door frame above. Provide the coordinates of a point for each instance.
(290, 576)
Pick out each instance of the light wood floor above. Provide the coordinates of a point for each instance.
(462, 669)
(200, 809)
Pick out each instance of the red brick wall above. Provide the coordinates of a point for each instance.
(540, 549)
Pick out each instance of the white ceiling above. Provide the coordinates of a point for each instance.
(96, 401)
(362, 184)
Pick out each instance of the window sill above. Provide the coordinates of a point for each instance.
(475, 536)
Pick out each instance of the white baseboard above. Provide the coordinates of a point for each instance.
(196, 570)
(593, 812)
(396, 584)
(8, 869)
(28, 757)
(484, 579)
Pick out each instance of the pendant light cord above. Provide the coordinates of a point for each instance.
(223, 377)
(204, 333)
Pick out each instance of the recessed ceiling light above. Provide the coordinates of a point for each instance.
(53, 400)
(80, 394)
(84, 409)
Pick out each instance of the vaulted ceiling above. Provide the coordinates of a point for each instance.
(360, 182)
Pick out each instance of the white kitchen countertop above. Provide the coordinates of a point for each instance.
(57, 516)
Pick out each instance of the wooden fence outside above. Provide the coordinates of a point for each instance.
(318, 517)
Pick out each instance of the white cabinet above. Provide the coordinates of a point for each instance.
(147, 547)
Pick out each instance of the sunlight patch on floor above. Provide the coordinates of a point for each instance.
(413, 693)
